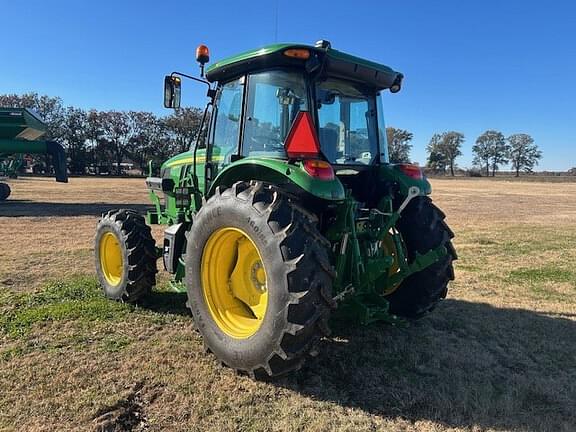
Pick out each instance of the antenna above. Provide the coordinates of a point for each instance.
(276, 21)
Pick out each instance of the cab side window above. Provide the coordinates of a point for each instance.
(227, 123)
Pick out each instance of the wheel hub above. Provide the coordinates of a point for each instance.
(111, 261)
(234, 282)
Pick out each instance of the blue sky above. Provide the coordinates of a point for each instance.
(469, 66)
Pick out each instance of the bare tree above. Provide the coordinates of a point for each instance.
(399, 144)
(490, 151)
(183, 125)
(523, 153)
(115, 130)
(149, 139)
(74, 137)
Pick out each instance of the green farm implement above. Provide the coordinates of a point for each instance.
(20, 133)
(286, 210)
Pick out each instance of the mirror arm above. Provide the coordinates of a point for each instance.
(192, 78)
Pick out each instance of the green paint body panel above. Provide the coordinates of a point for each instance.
(247, 55)
(20, 124)
(279, 172)
(334, 62)
(15, 146)
(392, 173)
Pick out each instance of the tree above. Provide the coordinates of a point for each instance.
(149, 139)
(490, 151)
(523, 153)
(399, 145)
(115, 131)
(183, 125)
(436, 161)
(443, 150)
(75, 128)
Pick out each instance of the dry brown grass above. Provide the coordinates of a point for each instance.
(499, 354)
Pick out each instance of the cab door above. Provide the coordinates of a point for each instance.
(226, 126)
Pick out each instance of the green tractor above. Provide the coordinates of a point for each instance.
(285, 211)
(20, 133)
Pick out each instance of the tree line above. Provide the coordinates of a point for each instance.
(492, 150)
(101, 141)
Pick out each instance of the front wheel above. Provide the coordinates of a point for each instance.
(258, 279)
(125, 256)
(4, 191)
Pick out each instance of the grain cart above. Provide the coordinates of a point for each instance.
(285, 211)
(20, 133)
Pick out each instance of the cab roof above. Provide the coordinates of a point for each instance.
(334, 63)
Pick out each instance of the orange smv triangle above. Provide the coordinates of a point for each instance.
(302, 141)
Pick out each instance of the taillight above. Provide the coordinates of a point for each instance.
(302, 141)
(319, 169)
(412, 171)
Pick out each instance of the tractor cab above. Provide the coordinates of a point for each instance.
(304, 108)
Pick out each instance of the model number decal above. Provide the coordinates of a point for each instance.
(259, 234)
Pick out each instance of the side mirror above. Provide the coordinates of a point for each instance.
(172, 91)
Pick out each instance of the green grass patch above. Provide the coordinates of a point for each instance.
(114, 343)
(79, 298)
(545, 274)
(543, 281)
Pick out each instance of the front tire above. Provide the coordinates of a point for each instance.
(4, 191)
(260, 325)
(125, 255)
(423, 228)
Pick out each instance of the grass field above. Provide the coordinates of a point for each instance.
(498, 354)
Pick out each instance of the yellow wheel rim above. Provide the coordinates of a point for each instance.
(389, 248)
(111, 258)
(234, 282)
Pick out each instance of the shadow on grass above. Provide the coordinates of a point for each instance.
(467, 365)
(20, 208)
(166, 302)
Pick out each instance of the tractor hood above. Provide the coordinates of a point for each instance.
(185, 158)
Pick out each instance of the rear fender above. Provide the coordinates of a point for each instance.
(281, 173)
(393, 173)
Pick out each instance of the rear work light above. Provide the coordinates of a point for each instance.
(412, 171)
(320, 169)
(303, 54)
(302, 141)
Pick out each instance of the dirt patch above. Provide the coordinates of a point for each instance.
(127, 414)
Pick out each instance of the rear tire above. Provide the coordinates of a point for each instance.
(125, 256)
(297, 273)
(423, 228)
(4, 191)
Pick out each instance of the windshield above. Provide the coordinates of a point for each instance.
(347, 123)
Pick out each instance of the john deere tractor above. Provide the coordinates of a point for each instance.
(285, 211)
(20, 133)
